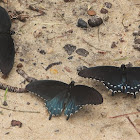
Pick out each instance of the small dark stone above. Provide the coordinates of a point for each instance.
(136, 33)
(19, 65)
(70, 57)
(69, 48)
(82, 52)
(81, 23)
(7, 133)
(137, 46)
(16, 123)
(28, 103)
(104, 11)
(81, 68)
(137, 41)
(108, 4)
(34, 64)
(113, 45)
(5, 103)
(21, 59)
(95, 21)
(56, 130)
(42, 52)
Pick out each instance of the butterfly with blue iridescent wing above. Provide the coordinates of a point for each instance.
(117, 79)
(60, 96)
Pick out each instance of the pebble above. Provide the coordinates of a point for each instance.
(54, 71)
(16, 123)
(95, 21)
(69, 48)
(70, 57)
(81, 23)
(106, 17)
(108, 4)
(113, 45)
(42, 52)
(82, 52)
(136, 33)
(91, 12)
(21, 59)
(19, 65)
(104, 11)
(137, 46)
(137, 41)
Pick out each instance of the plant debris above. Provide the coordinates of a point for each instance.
(12, 89)
(36, 9)
(23, 74)
(52, 64)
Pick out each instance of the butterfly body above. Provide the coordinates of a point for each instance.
(7, 50)
(60, 96)
(117, 79)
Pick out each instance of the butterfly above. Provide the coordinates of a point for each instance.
(117, 79)
(7, 50)
(60, 96)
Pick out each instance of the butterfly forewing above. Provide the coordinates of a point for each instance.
(47, 89)
(103, 73)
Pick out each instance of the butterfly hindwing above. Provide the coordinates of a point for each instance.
(81, 95)
(56, 105)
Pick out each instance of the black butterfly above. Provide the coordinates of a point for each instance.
(117, 79)
(59, 95)
(7, 50)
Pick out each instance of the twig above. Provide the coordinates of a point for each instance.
(12, 89)
(84, 61)
(24, 75)
(132, 124)
(52, 64)
(19, 110)
(123, 115)
(93, 46)
(36, 9)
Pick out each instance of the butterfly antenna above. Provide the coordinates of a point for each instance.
(50, 116)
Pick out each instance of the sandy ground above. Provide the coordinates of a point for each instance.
(92, 122)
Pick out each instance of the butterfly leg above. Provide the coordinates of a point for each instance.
(50, 116)
(113, 93)
(134, 95)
